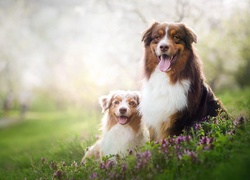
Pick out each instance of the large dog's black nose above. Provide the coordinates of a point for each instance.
(123, 110)
(164, 47)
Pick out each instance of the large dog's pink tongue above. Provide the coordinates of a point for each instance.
(164, 63)
(122, 120)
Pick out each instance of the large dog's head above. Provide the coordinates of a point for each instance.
(167, 43)
(121, 105)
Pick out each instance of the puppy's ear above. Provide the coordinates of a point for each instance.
(146, 36)
(105, 102)
(138, 96)
(192, 37)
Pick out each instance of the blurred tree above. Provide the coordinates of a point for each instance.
(73, 52)
(242, 33)
(225, 48)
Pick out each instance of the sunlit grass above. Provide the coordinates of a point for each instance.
(237, 101)
(30, 146)
(44, 134)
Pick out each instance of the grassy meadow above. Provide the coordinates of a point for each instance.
(57, 135)
(50, 145)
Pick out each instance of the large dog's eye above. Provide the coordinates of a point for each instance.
(176, 37)
(157, 38)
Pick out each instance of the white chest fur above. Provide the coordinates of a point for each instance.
(120, 138)
(161, 99)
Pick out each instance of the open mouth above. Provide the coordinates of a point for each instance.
(165, 62)
(123, 120)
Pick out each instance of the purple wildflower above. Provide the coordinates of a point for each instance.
(177, 148)
(147, 154)
(197, 126)
(188, 138)
(187, 128)
(191, 154)
(156, 142)
(102, 165)
(111, 175)
(164, 147)
(207, 147)
(231, 132)
(107, 165)
(142, 159)
(93, 175)
(181, 139)
(130, 152)
(164, 142)
(239, 120)
(179, 155)
(58, 174)
(124, 167)
(171, 140)
(206, 142)
(204, 119)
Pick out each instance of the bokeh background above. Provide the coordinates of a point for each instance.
(57, 57)
(56, 54)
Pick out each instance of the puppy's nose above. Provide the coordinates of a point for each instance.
(123, 110)
(164, 47)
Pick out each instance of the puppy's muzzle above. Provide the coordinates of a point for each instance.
(123, 110)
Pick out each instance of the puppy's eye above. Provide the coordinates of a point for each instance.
(116, 102)
(132, 103)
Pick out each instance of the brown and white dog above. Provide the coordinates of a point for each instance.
(122, 129)
(174, 94)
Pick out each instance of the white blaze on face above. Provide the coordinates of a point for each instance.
(163, 41)
(123, 117)
(162, 51)
(124, 104)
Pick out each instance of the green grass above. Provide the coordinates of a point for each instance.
(53, 135)
(46, 144)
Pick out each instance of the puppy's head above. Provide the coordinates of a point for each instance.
(121, 104)
(167, 42)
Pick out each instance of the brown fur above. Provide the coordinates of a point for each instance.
(134, 119)
(135, 122)
(152, 133)
(201, 99)
(112, 121)
(112, 105)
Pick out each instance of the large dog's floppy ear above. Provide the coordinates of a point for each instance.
(146, 37)
(192, 37)
(105, 102)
